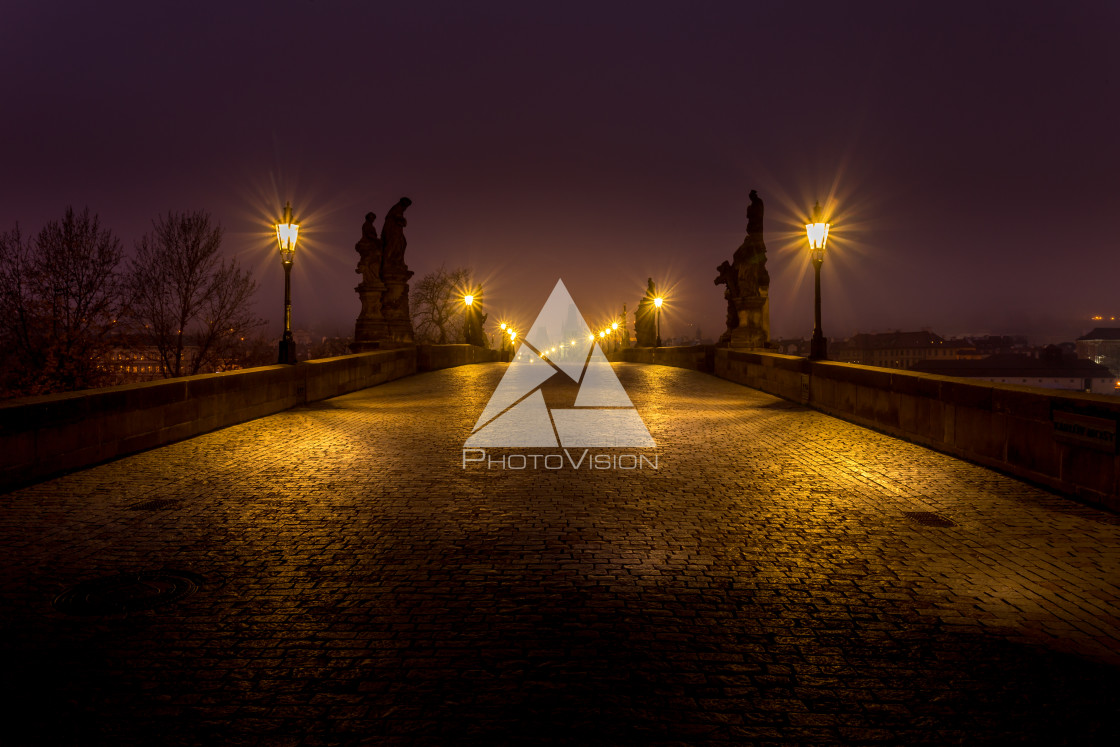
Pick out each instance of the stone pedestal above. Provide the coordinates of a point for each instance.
(394, 304)
(371, 328)
(754, 322)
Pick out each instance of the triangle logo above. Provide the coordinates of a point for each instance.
(559, 344)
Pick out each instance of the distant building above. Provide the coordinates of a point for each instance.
(1052, 370)
(792, 347)
(1102, 346)
(999, 345)
(131, 363)
(899, 349)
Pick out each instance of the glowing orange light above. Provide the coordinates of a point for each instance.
(817, 231)
(287, 233)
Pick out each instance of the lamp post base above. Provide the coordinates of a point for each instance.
(287, 350)
(818, 349)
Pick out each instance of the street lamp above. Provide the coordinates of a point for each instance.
(469, 301)
(657, 302)
(287, 233)
(817, 231)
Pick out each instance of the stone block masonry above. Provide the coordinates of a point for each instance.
(42, 436)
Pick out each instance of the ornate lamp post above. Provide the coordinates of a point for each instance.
(657, 302)
(817, 231)
(287, 233)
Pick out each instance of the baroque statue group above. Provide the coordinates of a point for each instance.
(748, 286)
(384, 320)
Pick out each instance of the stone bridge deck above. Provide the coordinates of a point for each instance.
(358, 585)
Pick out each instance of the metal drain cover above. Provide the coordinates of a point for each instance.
(128, 592)
(928, 519)
(155, 504)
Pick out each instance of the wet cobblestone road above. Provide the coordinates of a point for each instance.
(763, 585)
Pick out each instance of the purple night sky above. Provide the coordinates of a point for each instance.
(968, 152)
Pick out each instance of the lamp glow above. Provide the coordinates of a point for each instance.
(287, 234)
(658, 301)
(817, 231)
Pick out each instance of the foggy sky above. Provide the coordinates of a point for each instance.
(966, 151)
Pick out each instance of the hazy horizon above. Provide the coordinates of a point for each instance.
(965, 153)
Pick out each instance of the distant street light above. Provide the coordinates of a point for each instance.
(657, 302)
(287, 233)
(468, 300)
(817, 231)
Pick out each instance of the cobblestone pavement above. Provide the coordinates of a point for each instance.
(763, 585)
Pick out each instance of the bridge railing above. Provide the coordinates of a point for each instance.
(1066, 441)
(43, 436)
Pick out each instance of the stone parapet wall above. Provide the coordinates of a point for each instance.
(696, 357)
(1063, 440)
(434, 357)
(42, 436)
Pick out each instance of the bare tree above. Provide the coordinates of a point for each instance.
(437, 305)
(189, 303)
(60, 298)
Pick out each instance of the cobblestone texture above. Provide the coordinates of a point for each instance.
(762, 586)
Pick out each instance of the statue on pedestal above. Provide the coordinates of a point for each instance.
(748, 286)
(384, 319)
(370, 327)
(395, 273)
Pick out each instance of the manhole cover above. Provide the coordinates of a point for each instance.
(928, 519)
(128, 592)
(156, 504)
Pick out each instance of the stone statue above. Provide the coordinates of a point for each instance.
(727, 276)
(754, 214)
(369, 253)
(392, 235)
(395, 273)
(748, 285)
(384, 320)
(369, 231)
(645, 322)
